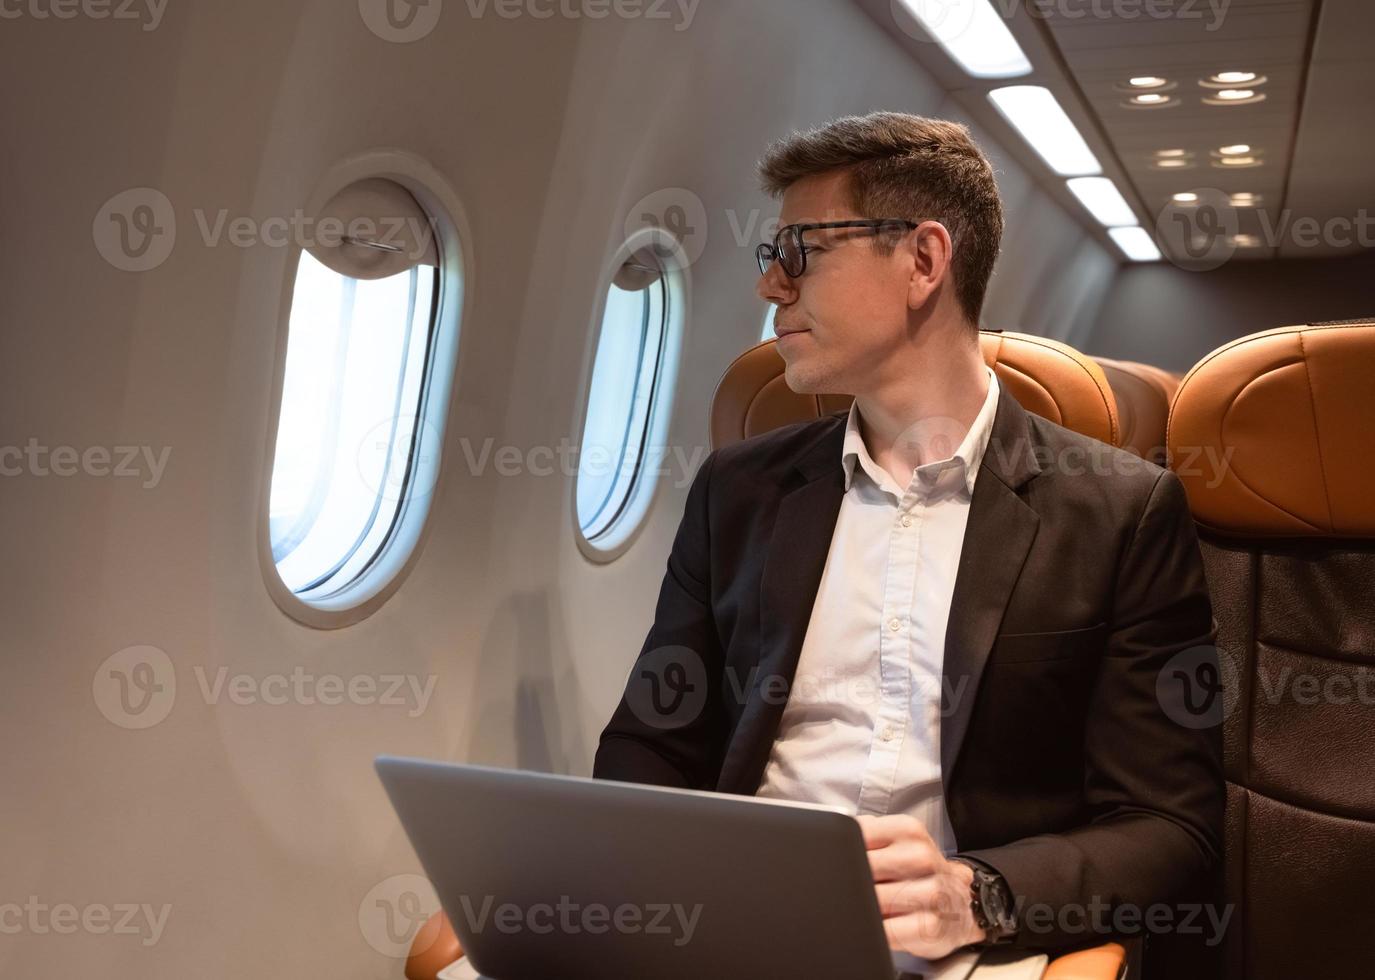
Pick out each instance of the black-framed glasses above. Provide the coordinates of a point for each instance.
(789, 249)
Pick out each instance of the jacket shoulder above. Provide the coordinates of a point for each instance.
(1078, 471)
(775, 451)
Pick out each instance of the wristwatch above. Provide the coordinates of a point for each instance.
(991, 902)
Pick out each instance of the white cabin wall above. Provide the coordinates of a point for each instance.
(262, 825)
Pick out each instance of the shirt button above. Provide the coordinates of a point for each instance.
(887, 733)
(906, 520)
(895, 624)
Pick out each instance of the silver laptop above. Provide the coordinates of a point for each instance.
(559, 877)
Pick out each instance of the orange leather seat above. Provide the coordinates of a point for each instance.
(1272, 437)
(1143, 394)
(1045, 376)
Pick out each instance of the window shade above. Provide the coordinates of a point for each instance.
(374, 229)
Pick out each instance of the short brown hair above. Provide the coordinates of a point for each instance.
(903, 166)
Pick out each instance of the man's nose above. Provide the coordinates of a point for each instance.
(775, 287)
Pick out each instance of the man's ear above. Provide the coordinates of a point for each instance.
(932, 253)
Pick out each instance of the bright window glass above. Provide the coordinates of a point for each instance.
(346, 461)
(625, 398)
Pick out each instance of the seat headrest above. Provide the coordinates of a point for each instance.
(1143, 394)
(1046, 377)
(1272, 434)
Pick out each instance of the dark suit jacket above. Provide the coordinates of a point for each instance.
(1080, 578)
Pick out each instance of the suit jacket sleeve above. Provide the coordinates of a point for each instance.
(1154, 785)
(667, 729)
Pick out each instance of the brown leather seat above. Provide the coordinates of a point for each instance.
(1143, 394)
(1272, 436)
(1045, 376)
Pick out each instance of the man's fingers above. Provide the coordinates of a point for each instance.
(904, 897)
(919, 933)
(883, 831)
(904, 861)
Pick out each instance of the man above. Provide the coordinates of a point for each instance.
(931, 611)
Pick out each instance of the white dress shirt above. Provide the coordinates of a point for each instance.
(861, 729)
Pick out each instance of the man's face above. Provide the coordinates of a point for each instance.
(839, 322)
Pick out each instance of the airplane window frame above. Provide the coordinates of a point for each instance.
(644, 486)
(384, 570)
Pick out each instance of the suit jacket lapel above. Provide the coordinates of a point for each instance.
(798, 547)
(997, 538)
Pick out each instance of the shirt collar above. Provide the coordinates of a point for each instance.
(966, 459)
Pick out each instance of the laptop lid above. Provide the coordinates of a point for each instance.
(558, 876)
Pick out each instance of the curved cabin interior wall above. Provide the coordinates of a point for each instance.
(262, 826)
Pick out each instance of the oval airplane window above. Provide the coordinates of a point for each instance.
(767, 332)
(371, 339)
(630, 395)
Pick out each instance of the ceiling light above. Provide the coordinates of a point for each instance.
(977, 37)
(1234, 96)
(1233, 79)
(1245, 241)
(1171, 153)
(1037, 116)
(1103, 200)
(1135, 244)
(1146, 81)
(1185, 197)
(1244, 199)
(1233, 149)
(1238, 163)
(1151, 100)
(1172, 164)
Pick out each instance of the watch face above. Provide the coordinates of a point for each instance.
(994, 905)
(993, 897)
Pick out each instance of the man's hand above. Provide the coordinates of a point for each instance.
(923, 897)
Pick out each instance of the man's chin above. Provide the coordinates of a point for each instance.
(803, 380)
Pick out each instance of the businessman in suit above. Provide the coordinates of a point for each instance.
(929, 611)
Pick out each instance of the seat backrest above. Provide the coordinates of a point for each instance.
(1272, 437)
(1143, 394)
(1045, 376)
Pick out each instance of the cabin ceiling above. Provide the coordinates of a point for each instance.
(1311, 132)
